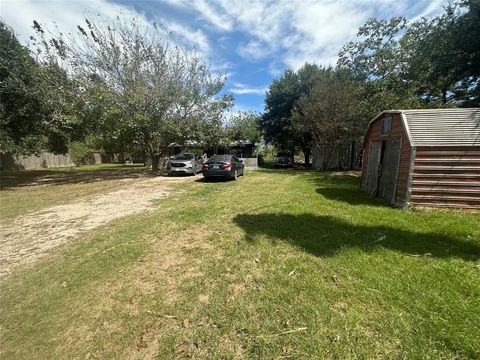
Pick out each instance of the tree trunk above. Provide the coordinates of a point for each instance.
(352, 156)
(155, 162)
(307, 152)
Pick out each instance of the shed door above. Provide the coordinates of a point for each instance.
(374, 156)
(387, 183)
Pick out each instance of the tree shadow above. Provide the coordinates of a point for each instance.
(344, 188)
(63, 176)
(325, 235)
(350, 196)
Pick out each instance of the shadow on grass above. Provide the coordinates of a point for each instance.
(351, 196)
(325, 236)
(344, 188)
(62, 176)
(216, 179)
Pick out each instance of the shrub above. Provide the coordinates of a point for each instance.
(80, 153)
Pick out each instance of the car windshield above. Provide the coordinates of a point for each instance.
(182, 157)
(222, 158)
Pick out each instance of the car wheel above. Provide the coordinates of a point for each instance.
(194, 171)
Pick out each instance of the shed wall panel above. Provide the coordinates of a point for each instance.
(447, 177)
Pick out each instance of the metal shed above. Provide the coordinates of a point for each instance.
(424, 157)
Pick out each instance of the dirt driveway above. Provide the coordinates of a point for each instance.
(28, 238)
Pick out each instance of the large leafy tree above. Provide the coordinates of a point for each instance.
(332, 112)
(282, 96)
(25, 116)
(428, 63)
(279, 102)
(377, 59)
(444, 55)
(140, 83)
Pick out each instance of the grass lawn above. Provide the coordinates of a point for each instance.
(279, 264)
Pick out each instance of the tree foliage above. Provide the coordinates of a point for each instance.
(428, 63)
(444, 56)
(331, 112)
(244, 127)
(282, 95)
(24, 113)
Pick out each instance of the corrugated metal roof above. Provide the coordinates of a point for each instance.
(443, 127)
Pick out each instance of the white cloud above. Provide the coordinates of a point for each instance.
(188, 37)
(242, 89)
(294, 32)
(291, 31)
(287, 32)
(253, 50)
(66, 15)
(431, 10)
(206, 11)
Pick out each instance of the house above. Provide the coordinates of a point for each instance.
(424, 157)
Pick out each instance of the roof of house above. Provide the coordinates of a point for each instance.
(441, 127)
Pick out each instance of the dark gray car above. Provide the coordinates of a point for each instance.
(223, 166)
(184, 163)
(283, 161)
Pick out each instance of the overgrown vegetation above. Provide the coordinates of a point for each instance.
(308, 267)
(80, 153)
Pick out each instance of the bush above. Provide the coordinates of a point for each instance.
(80, 153)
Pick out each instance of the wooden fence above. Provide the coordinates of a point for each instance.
(336, 157)
(9, 162)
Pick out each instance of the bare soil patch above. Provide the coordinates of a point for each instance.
(28, 238)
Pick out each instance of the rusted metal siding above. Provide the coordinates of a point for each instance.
(397, 132)
(446, 176)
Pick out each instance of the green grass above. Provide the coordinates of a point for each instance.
(275, 265)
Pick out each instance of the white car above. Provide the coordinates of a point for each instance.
(184, 163)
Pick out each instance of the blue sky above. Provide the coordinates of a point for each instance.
(251, 41)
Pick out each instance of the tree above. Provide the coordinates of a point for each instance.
(443, 55)
(244, 126)
(282, 95)
(378, 60)
(331, 112)
(141, 82)
(24, 113)
(279, 102)
(428, 63)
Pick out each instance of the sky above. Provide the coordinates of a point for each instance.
(250, 41)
